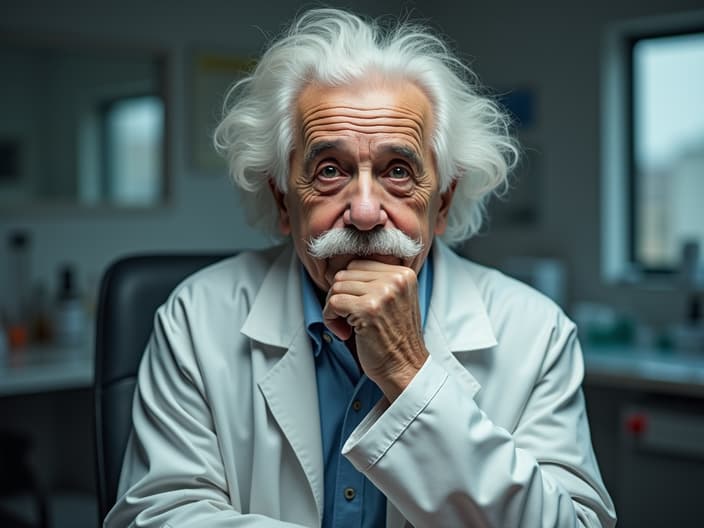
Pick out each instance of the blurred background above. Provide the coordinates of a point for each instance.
(106, 111)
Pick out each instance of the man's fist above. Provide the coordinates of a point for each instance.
(378, 303)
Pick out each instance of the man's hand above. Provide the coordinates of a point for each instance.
(379, 304)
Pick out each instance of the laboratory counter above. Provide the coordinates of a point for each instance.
(642, 369)
(47, 368)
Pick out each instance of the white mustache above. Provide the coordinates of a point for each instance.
(350, 241)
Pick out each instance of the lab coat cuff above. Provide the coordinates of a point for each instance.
(385, 423)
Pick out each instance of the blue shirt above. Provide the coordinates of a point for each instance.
(345, 397)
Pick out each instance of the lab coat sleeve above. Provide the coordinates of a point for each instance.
(443, 462)
(173, 473)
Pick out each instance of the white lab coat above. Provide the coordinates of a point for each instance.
(491, 432)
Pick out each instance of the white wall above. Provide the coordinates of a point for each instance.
(553, 50)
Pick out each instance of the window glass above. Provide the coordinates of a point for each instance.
(134, 156)
(668, 148)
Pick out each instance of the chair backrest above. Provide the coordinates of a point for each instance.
(131, 290)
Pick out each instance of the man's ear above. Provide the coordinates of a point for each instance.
(445, 203)
(280, 199)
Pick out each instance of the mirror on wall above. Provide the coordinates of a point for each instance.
(81, 125)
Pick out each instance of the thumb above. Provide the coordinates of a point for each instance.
(336, 323)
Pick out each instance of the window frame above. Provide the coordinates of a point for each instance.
(618, 135)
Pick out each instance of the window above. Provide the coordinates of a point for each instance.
(667, 148)
(133, 132)
(652, 145)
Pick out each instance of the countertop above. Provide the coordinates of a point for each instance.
(647, 369)
(44, 368)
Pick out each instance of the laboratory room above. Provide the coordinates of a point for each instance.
(504, 328)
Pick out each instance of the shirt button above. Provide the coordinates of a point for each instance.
(350, 493)
(356, 405)
(327, 338)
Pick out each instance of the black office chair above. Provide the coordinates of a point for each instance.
(131, 290)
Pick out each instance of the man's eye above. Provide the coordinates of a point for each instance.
(399, 173)
(328, 172)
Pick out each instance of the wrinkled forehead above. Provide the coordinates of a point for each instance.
(398, 111)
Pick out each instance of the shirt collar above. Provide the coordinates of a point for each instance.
(313, 312)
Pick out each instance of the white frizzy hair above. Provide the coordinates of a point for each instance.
(471, 141)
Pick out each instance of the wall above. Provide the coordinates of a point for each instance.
(553, 51)
(21, 117)
(203, 212)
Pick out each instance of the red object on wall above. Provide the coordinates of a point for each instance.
(637, 423)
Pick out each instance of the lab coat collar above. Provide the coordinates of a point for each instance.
(276, 317)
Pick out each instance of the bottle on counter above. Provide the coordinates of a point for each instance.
(70, 323)
(689, 334)
(42, 325)
(17, 324)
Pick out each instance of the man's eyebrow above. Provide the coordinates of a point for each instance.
(316, 149)
(407, 153)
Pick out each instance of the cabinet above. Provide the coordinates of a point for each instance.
(647, 424)
(46, 398)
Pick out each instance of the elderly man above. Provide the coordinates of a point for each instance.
(363, 375)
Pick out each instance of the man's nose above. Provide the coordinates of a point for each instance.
(365, 209)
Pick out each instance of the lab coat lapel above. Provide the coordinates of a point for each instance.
(457, 320)
(394, 518)
(290, 392)
(289, 385)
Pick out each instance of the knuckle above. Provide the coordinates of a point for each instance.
(409, 276)
(334, 302)
(399, 279)
(373, 306)
(387, 292)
